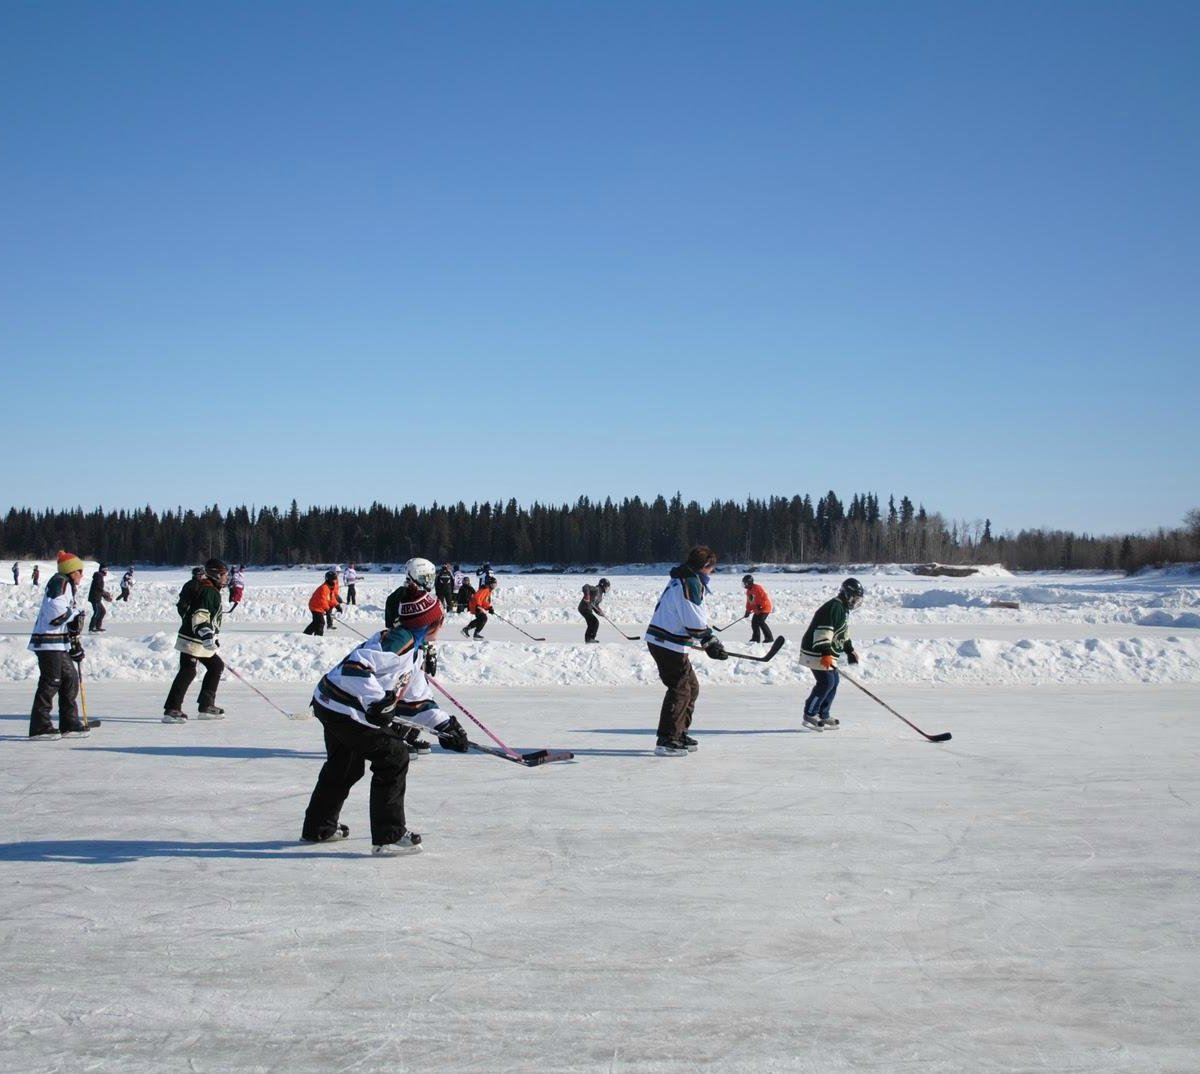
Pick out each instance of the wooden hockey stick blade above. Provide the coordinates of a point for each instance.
(775, 647)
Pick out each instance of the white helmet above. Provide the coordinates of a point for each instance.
(421, 573)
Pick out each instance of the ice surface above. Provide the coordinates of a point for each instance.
(1022, 898)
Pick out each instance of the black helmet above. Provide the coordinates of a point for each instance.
(747, 580)
(214, 568)
(331, 576)
(603, 583)
(851, 593)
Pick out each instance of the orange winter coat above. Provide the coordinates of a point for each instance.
(324, 598)
(481, 599)
(757, 601)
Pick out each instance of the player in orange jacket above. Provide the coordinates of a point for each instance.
(322, 603)
(758, 606)
(481, 605)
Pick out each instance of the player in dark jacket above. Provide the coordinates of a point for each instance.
(827, 638)
(589, 606)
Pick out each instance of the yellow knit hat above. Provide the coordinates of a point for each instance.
(69, 564)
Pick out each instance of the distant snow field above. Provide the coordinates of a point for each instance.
(1021, 898)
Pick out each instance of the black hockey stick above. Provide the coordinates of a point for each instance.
(627, 637)
(943, 737)
(529, 760)
(775, 647)
(515, 627)
(734, 623)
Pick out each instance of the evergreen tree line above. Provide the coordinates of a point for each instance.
(775, 530)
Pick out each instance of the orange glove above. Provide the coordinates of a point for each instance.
(829, 661)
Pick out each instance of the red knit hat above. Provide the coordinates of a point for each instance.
(69, 563)
(419, 609)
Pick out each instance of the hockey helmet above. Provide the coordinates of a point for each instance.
(851, 593)
(421, 573)
(603, 583)
(747, 580)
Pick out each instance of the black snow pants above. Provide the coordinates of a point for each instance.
(58, 678)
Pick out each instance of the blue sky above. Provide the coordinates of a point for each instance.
(410, 252)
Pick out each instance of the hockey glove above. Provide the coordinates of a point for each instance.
(716, 650)
(851, 656)
(380, 712)
(829, 661)
(76, 652)
(705, 638)
(430, 661)
(207, 638)
(451, 736)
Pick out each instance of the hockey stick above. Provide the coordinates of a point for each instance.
(943, 737)
(734, 623)
(290, 715)
(509, 754)
(775, 647)
(627, 637)
(515, 627)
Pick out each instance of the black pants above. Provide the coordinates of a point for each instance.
(351, 596)
(317, 626)
(478, 623)
(758, 622)
(349, 745)
(58, 676)
(123, 595)
(676, 674)
(213, 666)
(589, 617)
(98, 614)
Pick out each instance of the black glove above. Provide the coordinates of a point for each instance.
(430, 661)
(451, 736)
(706, 637)
(716, 650)
(76, 652)
(380, 712)
(851, 656)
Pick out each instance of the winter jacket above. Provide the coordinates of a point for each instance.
(59, 618)
(757, 601)
(96, 590)
(679, 616)
(324, 598)
(481, 600)
(829, 631)
(350, 577)
(381, 680)
(204, 615)
(592, 596)
(127, 580)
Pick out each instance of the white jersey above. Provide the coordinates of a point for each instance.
(59, 617)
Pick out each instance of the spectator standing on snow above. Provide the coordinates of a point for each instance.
(480, 605)
(483, 572)
(198, 640)
(463, 595)
(350, 577)
(55, 642)
(443, 586)
(367, 709)
(37, 574)
(97, 596)
(237, 586)
(827, 638)
(758, 606)
(589, 607)
(126, 585)
(16, 573)
(322, 603)
(679, 624)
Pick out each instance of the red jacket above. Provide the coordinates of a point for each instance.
(757, 601)
(481, 599)
(324, 598)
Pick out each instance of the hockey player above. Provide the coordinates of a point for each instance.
(55, 642)
(237, 586)
(827, 638)
(322, 603)
(463, 595)
(368, 705)
(589, 606)
(197, 641)
(680, 623)
(480, 605)
(126, 586)
(97, 597)
(443, 586)
(758, 606)
(350, 577)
